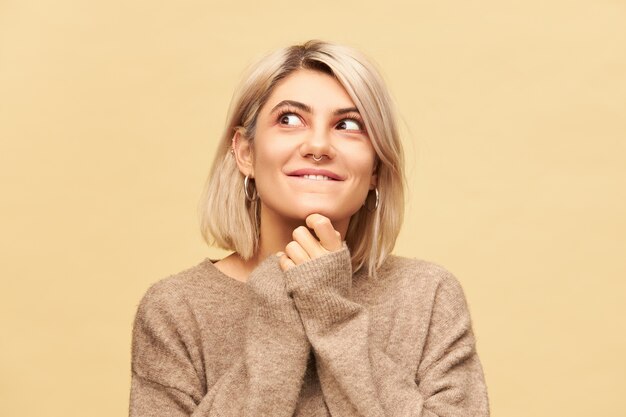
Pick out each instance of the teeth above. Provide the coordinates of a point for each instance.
(316, 177)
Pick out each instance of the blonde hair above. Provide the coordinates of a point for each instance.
(231, 222)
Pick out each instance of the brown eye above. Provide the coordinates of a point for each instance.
(290, 119)
(349, 124)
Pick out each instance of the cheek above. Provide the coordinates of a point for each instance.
(269, 161)
(361, 158)
(268, 153)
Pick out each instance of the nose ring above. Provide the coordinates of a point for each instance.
(316, 159)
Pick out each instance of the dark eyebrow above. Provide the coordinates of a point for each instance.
(308, 109)
(339, 112)
(295, 104)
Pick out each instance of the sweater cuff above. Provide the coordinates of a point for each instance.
(271, 299)
(321, 285)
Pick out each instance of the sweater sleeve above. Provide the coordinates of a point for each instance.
(167, 366)
(359, 379)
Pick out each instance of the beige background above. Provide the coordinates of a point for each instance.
(514, 121)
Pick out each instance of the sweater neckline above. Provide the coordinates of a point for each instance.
(226, 279)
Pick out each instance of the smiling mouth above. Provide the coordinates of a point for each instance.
(315, 174)
(316, 177)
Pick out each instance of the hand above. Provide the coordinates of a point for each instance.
(305, 246)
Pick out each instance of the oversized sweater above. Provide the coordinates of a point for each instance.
(315, 340)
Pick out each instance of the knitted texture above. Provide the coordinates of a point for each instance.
(316, 340)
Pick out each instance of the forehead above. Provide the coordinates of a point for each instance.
(316, 89)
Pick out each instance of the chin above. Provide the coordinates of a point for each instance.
(331, 212)
(300, 210)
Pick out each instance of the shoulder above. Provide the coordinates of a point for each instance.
(425, 277)
(416, 269)
(177, 294)
(175, 286)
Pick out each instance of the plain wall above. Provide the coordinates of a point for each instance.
(514, 125)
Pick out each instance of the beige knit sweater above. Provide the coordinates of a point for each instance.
(315, 340)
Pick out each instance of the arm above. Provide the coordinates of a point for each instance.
(167, 368)
(357, 378)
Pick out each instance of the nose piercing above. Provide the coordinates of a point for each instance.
(317, 159)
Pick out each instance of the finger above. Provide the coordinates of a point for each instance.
(285, 263)
(309, 243)
(329, 238)
(296, 253)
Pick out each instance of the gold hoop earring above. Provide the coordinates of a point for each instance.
(255, 195)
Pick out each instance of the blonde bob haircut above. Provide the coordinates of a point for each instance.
(231, 222)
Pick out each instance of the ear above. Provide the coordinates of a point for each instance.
(243, 154)
(374, 177)
(373, 181)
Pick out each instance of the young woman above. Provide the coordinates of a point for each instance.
(311, 315)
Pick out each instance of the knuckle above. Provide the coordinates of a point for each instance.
(283, 264)
(300, 230)
(323, 221)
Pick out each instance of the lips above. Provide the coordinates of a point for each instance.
(314, 171)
